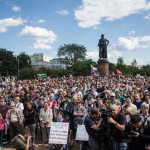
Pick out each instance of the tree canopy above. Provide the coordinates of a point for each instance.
(70, 53)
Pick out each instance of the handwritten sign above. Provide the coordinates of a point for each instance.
(58, 133)
(81, 134)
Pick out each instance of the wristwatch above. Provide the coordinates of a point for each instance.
(116, 123)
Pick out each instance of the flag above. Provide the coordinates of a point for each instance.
(118, 71)
(93, 69)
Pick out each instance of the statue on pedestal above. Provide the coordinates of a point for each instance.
(103, 43)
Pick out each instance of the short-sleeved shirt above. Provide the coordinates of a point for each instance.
(119, 136)
(138, 104)
(89, 123)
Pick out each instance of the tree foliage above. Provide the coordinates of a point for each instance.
(70, 53)
(8, 63)
(24, 60)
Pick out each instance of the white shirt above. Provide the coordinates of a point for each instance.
(19, 105)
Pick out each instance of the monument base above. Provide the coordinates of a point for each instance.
(103, 67)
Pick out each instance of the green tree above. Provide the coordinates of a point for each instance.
(112, 67)
(24, 60)
(70, 53)
(120, 64)
(8, 63)
(27, 73)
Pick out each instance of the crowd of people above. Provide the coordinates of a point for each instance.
(30, 106)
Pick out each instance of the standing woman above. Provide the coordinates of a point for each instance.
(56, 107)
(46, 117)
(30, 121)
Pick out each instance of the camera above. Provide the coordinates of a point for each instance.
(105, 113)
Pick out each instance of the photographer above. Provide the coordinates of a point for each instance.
(117, 126)
(92, 128)
(20, 140)
(139, 131)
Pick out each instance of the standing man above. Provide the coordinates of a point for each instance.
(66, 107)
(92, 128)
(18, 104)
(14, 119)
(117, 127)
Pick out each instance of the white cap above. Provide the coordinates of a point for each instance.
(112, 94)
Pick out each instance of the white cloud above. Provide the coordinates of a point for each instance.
(145, 39)
(91, 12)
(10, 22)
(95, 27)
(124, 44)
(132, 32)
(102, 29)
(94, 55)
(15, 8)
(147, 17)
(63, 12)
(41, 35)
(41, 21)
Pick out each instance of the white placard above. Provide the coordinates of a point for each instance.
(81, 134)
(58, 133)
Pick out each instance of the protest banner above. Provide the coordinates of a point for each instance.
(58, 133)
(81, 134)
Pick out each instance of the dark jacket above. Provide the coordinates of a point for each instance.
(69, 109)
(30, 119)
(143, 139)
(3, 110)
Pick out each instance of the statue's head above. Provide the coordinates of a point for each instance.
(102, 35)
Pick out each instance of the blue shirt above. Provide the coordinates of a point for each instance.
(138, 104)
(89, 123)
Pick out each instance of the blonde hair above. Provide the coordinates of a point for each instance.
(131, 110)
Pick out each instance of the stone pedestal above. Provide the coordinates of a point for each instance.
(103, 67)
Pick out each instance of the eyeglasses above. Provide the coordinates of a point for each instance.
(1, 101)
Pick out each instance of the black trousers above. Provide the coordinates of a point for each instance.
(15, 129)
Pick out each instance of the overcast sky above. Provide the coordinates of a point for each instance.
(41, 26)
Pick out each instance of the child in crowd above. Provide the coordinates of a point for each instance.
(3, 129)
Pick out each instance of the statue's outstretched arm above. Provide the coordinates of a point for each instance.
(107, 41)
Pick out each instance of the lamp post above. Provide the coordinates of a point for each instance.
(17, 56)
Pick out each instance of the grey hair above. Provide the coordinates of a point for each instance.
(12, 103)
(114, 106)
(51, 94)
(145, 105)
(117, 102)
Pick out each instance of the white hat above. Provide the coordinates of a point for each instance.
(145, 91)
(112, 94)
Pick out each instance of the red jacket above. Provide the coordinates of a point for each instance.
(64, 121)
(53, 104)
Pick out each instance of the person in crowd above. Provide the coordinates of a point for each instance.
(90, 104)
(56, 107)
(137, 102)
(52, 101)
(107, 103)
(46, 117)
(112, 96)
(128, 102)
(21, 141)
(30, 121)
(45, 96)
(130, 110)
(3, 130)
(119, 97)
(66, 107)
(14, 119)
(90, 96)
(18, 103)
(117, 127)
(60, 118)
(145, 112)
(146, 99)
(79, 113)
(139, 132)
(92, 128)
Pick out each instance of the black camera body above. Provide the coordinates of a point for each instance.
(106, 113)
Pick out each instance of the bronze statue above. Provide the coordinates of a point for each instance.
(103, 43)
